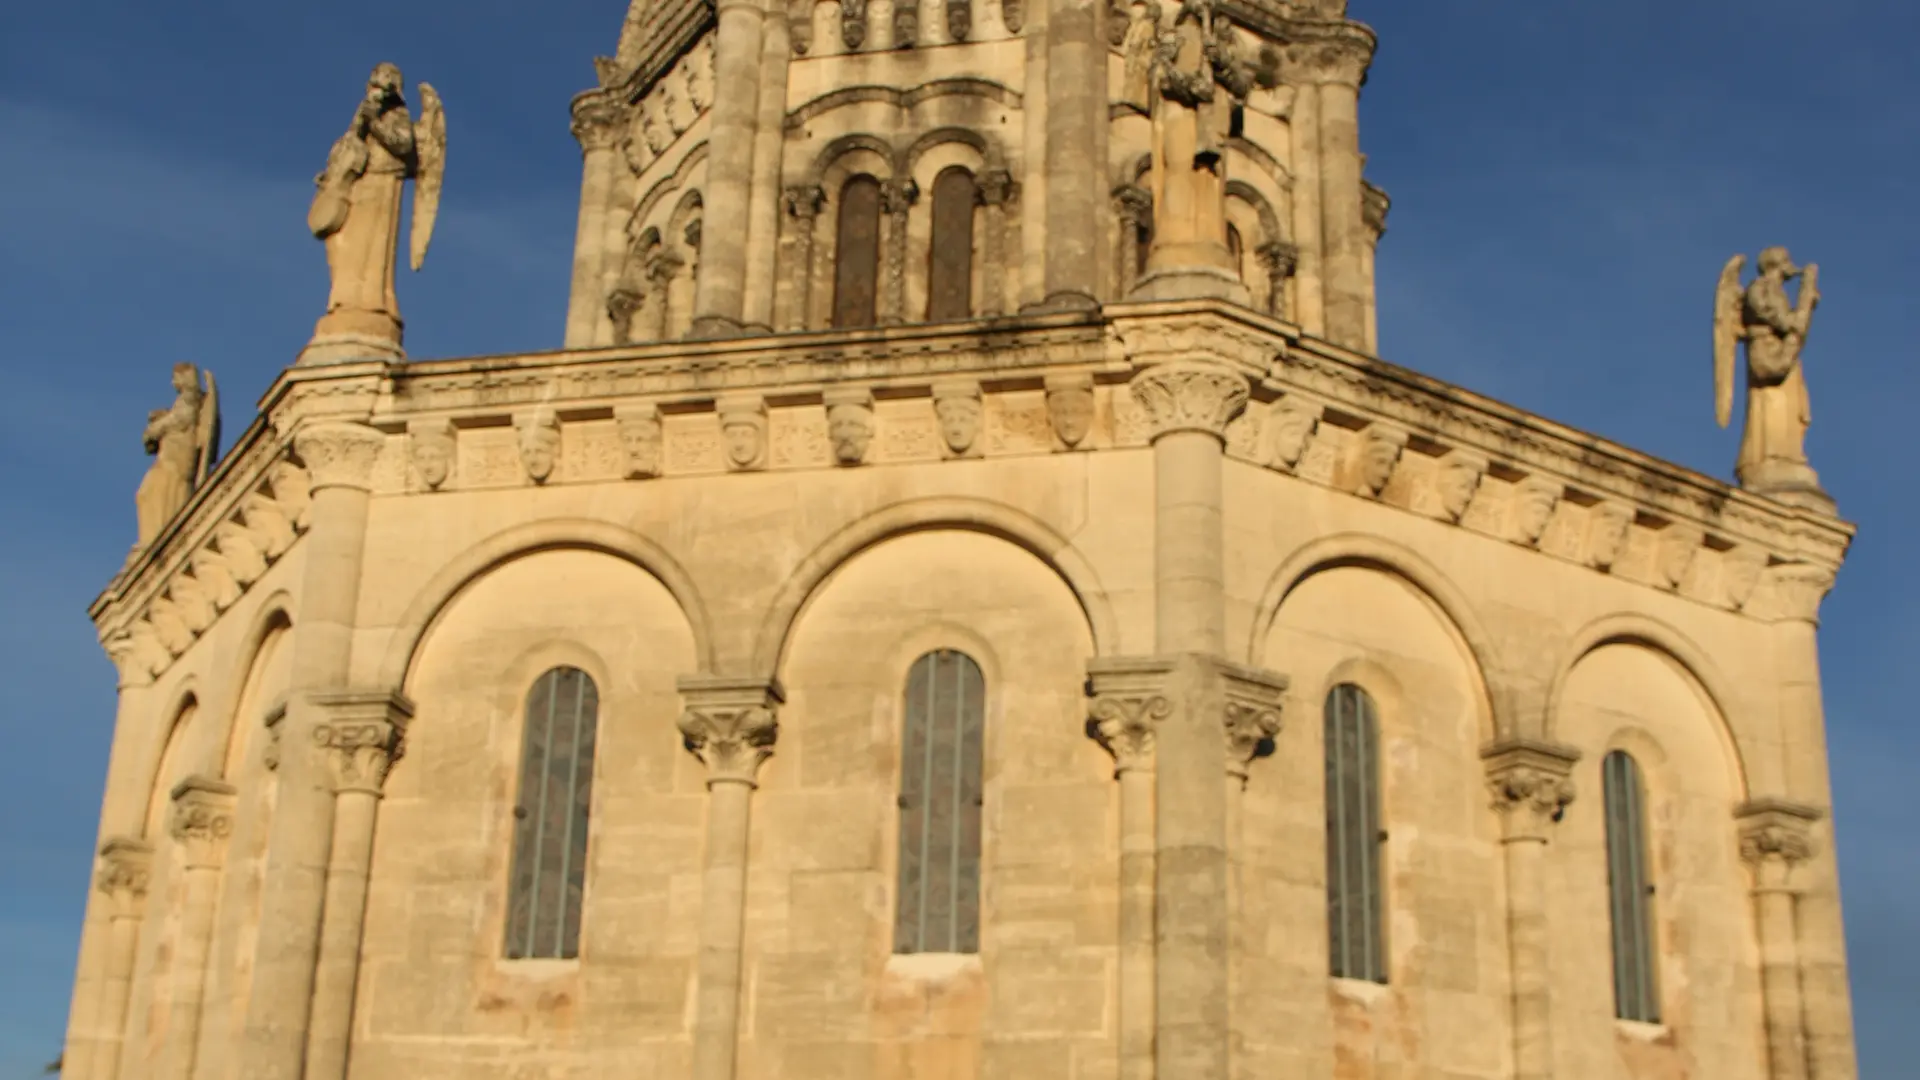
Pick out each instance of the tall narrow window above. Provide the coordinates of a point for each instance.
(950, 256)
(856, 265)
(1356, 943)
(1630, 891)
(1235, 250)
(549, 875)
(940, 796)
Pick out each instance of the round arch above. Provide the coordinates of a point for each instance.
(523, 540)
(922, 515)
(275, 615)
(1631, 628)
(1425, 579)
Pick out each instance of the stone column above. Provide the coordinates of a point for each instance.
(730, 724)
(719, 299)
(1335, 66)
(201, 823)
(1774, 842)
(1309, 309)
(763, 205)
(1188, 405)
(339, 457)
(1129, 703)
(1374, 207)
(125, 866)
(804, 203)
(598, 118)
(360, 735)
(897, 197)
(1133, 205)
(1076, 57)
(1796, 590)
(1529, 782)
(1254, 702)
(1279, 259)
(998, 191)
(662, 265)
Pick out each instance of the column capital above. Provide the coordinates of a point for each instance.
(1374, 205)
(1530, 784)
(1134, 203)
(1776, 836)
(202, 819)
(997, 187)
(599, 117)
(897, 196)
(1130, 698)
(338, 453)
(730, 724)
(1337, 52)
(1794, 591)
(1255, 700)
(132, 658)
(362, 733)
(125, 867)
(804, 201)
(1189, 396)
(1279, 258)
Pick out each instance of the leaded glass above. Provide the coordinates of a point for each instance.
(1356, 945)
(941, 790)
(1629, 891)
(547, 884)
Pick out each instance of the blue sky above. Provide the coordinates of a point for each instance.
(1567, 180)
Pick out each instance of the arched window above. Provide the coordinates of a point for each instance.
(1235, 250)
(1356, 938)
(856, 266)
(940, 796)
(1629, 891)
(950, 255)
(549, 875)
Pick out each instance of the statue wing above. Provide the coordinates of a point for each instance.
(206, 440)
(430, 144)
(1727, 332)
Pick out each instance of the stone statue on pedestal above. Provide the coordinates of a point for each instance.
(356, 212)
(184, 441)
(1773, 456)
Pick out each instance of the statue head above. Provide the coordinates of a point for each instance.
(186, 380)
(385, 85)
(433, 450)
(1377, 461)
(1070, 408)
(743, 429)
(1775, 260)
(642, 439)
(539, 446)
(850, 430)
(959, 416)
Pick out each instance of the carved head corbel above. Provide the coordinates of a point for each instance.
(642, 440)
(957, 407)
(431, 448)
(539, 444)
(849, 424)
(743, 429)
(1070, 407)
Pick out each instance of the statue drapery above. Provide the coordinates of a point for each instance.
(1773, 456)
(185, 442)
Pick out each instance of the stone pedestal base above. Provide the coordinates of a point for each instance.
(342, 337)
(1188, 283)
(1791, 482)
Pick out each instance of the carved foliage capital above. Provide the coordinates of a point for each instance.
(599, 120)
(1189, 397)
(1795, 590)
(731, 725)
(1775, 838)
(1130, 699)
(202, 819)
(126, 865)
(998, 188)
(339, 454)
(1341, 56)
(1530, 785)
(804, 201)
(1253, 712)
(361, 735)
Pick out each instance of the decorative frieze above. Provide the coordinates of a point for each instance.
(731, 725)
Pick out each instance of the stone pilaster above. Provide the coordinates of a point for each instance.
(1530, 787)
(731, 725)
(1330, 65)
(339, 457)
(126, 866)
(201, 822)
(599, 117)
(1775, 841)
(803, 203)
(896, 202)
(359, 735)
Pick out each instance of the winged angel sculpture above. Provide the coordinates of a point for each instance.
(185, 442)
(356, 212)
(1773, 455)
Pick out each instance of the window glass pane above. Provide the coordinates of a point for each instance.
(856, 271)
(547, 880)
(1356, 947)
(1630, 891)
(950, 256)
(940, 800)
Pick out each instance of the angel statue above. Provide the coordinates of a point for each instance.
(356, 212)
(1773, 456)
(184, 441)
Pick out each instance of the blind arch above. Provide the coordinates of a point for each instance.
(1356, 938)
(547, 883)
(941, 792)
(1630, 890)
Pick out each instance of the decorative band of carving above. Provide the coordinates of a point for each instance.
(1189, 397)
(731, 725)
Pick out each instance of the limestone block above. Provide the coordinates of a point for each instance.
(818, 830)
(635, 998)
(1048, 992)
(809, 995)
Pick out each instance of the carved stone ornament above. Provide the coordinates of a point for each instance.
(1013, 15)
(1070, 407)
(268, 523)
(1607, 533)
(1377, 456)
(240, 551)
(642, 440)
(202, 820)
(361, 735)
(853, 24)
(1775, 838)
(1292, 422)
(1679, 546)
(184, 441)
(731, 725)
(1530, 785)
(1773, 455)
(1252, 720)
(1795, 590)
(339, 454)
(1740, 571)
(210, 570)
(1456, 479)
(1374, 205)
(956, 405)
(1129, 702)
(804, 201)
(126, 867)
(849, 424)
(430, 446)
(743, 429)
(599, 118)
(906, 25)
(1189, 397)
(293, 490)
(539, 439)
(1532, 507)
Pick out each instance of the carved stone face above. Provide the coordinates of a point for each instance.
(1533, 505)
(643, 441)
(1458, 481)
(1291, 427)
(959, 421)
(959, 19)
(1071, 413)
(1609, 534)
(539, 449)
(1677, 549)
(1377, 462)
(744, 442)
(433, 455)
(186, 379)
(850, 429)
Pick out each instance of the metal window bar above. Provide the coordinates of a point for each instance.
(1356, 948)
(1630, 891)
(940, 803)
(547, 882)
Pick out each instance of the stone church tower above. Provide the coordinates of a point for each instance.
(966, 602)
